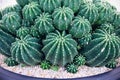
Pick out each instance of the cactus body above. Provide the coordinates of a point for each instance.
(45, 65)
(59, 48)
(112, 64)
(34, 32)
(71, 68)
(62, 18)
(22, 2)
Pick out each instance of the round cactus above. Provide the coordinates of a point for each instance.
(22, 32)
(71, 68)
(11, 62)
(72, 4)
(22, 2)
(84, 1)
(44, 23)
(89, 11)
(27, 50)
(102, 49)
(80, 27)
(62, 17)
(11, 22)
(79, 60)
(31, 11)
(34, 32)
(26, 23)
(112, 64)
(0, 14)
(49, 5)
(59, 48)
(45, 65)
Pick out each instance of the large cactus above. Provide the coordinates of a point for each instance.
(89, 11)
(59, 48)
(80, 27)
(31, 11)
(27, 50)
(44, 23)
(62, 17)
(49, 5)
(102, 49)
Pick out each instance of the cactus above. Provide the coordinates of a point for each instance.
(34, 32)
(5, 43)
(72, 4)
(89, 11)
(22, 32)
(112, 64)
(44, 23)
(26, 23)
(62, 18)
(11, 62)
(12, 22)
(27, 50)
(49, 5)
(59, 48)
(22, 2)
(71, 68)
(117, 32)
(45, 65)
(80, 27)
(79, 60)
(31, 11)
(84, 1)
(0, 14)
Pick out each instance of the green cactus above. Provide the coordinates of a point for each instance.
(79, 60)
(55, 67)
(31, 11)
(103, 48)
(22, 32)
(112, 64)
(12, 22)
(34, 32)
(62, 17)
(84, 1)
(72, 68)
(44, 23)
(45, 65)
(27, 50)
(72, 4)
(49, 5)
(11, 62)
(80, 27)
(0, 14)
(5, 43)
(117, 32)
(89, 11)
(22, 2)
(59, 48)
(26, 23)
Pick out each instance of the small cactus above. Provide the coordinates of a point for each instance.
(71, 68)
(34, 32)
(45, 65)
(112, 64)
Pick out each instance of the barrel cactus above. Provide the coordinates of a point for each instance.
(27, 50)
(11, 62)
(22, 2)
(49, 5)
(45, 65)
(72, 4)
(80, 27)
(102, 49)
(62, 17)
(117, 32)
(59, 48)
(5, 43)
(44, 23)
(12, 22)
(0, 14)
(89, 11)
(112, 64)
(31, 11)
(34, 32)
(72, 68)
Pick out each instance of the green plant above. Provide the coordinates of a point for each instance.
(112, 64)
(44, 23)
(45, 65)
(71, 68)
(22, 2)
(55, 67)
(34, 32)
(102, 49)
(89, 11)
(84, 1)
(49, 5)
(59, 48)
(0, 14)
(27, 50)
(80, 27)
(62, 17)
(11, 62)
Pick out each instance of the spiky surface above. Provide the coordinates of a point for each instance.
(26, 23)
(72, 4)
(34, 32)
(44, 23)
(72, 68)
(59, 48)
(84, 1)
(103, 48)
(89, 11)
(31, 11)
(45, 65)
(11, 62)
(117, 32)
(0, 14)
(27, 50)
(22, 2)
(49, 5)
(5, 42)
(62, 17)
(22, 32)
(11, 22)
(112, 64)
(80, 27)
(79, 60)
